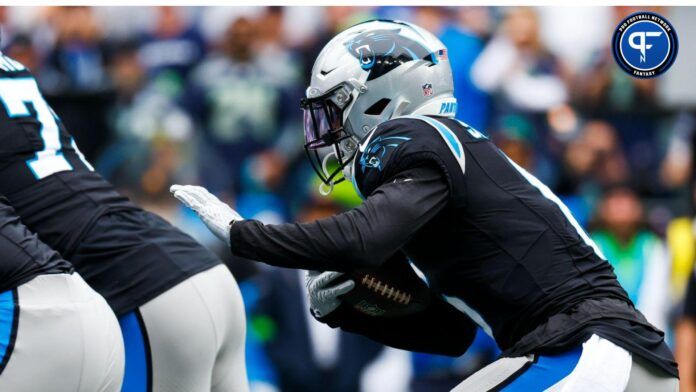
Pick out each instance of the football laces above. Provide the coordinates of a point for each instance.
(385, 290)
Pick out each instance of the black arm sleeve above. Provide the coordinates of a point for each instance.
(362, 237)
(438, 329)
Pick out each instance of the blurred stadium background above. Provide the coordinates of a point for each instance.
(209, 95)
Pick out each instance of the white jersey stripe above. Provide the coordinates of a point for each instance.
(16, 64)
(547, 193)
(5, 65)
(475, 316)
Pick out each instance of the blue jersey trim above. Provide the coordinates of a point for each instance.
(453, 142)
(546, 371)
(138, 372)
(547, 193)
(446, 133)
(9, 321)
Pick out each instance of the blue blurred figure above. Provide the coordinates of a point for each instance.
(464, 48)
(173, 44)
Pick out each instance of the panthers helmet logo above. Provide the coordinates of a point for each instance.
(380, 51)
(374, 155)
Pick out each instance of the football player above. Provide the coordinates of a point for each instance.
(483, 233)
(180, 310)
(56, 333)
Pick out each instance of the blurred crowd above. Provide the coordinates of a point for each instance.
(210, 95)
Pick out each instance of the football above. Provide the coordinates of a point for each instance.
(383, 292)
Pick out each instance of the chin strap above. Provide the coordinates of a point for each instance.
(325, 189)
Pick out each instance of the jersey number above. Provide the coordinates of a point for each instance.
(15, 95)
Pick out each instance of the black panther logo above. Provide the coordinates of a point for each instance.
(374, 154)
(380, 51)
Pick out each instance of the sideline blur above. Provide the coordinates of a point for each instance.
(156, 96)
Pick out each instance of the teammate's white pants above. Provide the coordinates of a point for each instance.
(67, 339)
(194, 333)
(601, 366)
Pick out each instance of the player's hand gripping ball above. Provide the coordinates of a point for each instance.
(382, 292)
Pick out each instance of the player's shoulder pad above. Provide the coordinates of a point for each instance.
(406, 142)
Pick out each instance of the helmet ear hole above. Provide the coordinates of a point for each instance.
(378, 107)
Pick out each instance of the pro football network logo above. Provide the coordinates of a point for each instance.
(645, 44)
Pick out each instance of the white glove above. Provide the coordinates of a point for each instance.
(217, 215)
(323, 297)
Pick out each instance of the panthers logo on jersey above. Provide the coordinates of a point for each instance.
(380, 51)
(374, 155)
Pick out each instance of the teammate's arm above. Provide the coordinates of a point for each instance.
(364, 236)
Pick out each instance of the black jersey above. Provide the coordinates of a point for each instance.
(486, 235)
(23, 255)
(60, 197)
(34, 147)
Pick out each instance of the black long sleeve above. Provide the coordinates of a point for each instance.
(364, 236)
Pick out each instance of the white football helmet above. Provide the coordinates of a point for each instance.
(366, 75)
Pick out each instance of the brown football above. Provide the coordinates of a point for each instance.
(382, 292)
